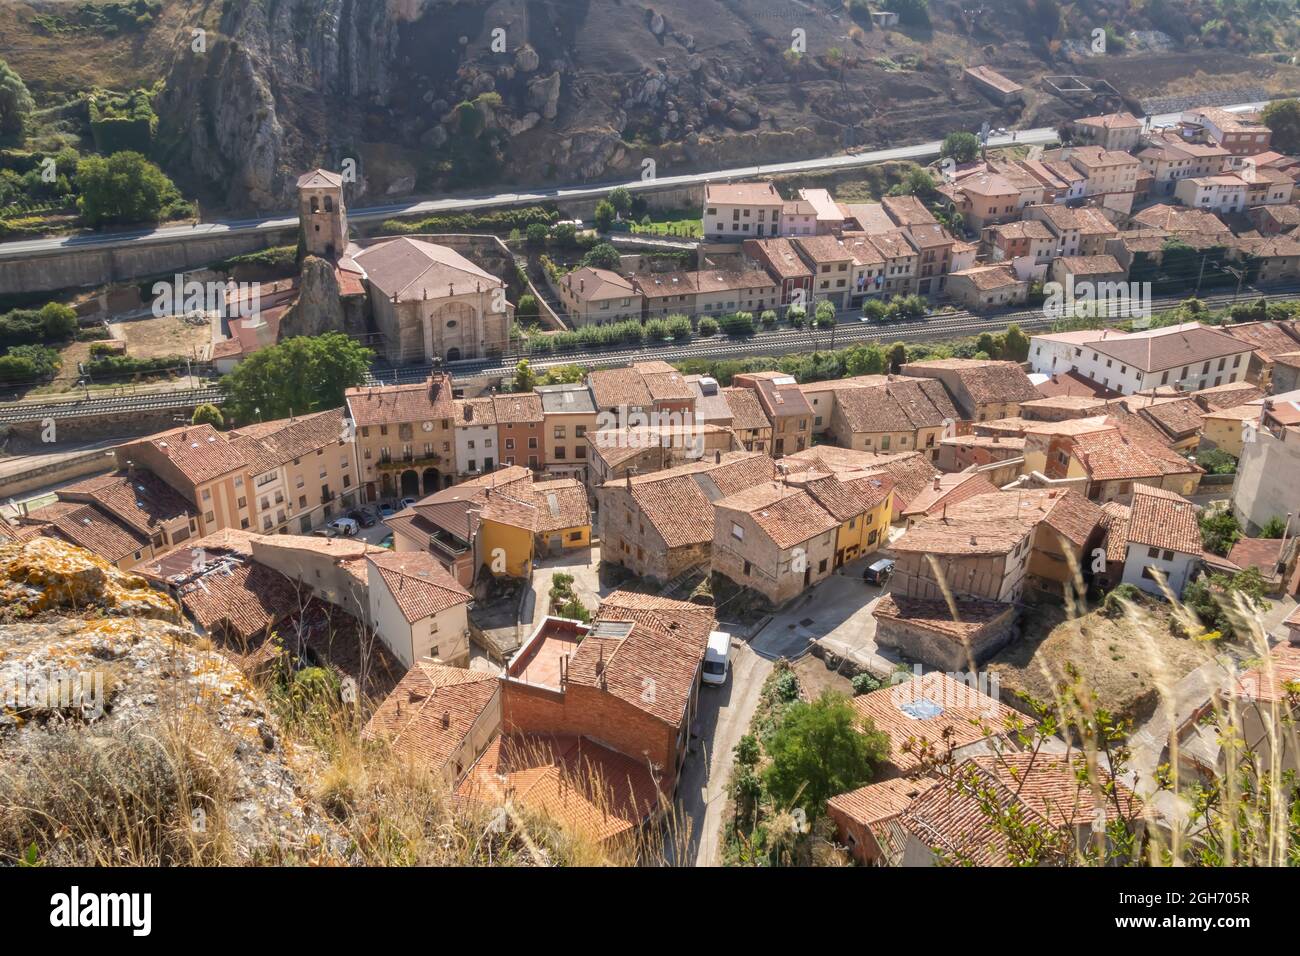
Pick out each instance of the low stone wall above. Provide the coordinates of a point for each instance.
(74, 266)
(98, 425)
(95, 462)
(940, 651)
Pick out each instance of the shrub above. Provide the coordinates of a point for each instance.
(536, 234)
(738, 324)
(207, 414)
(1217, 462)
(865, 683)
(708, 327)
(679, 326)
(1113, 605)
(768, 318)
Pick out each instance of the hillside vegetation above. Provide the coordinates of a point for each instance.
(235, 99)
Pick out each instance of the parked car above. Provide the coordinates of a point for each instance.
(717, 658)
(878, 572)
(347, 527)
(363, 517)
(406, 503)
(386, 511)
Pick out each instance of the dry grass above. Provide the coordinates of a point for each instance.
(158, 338)
(1113, 656)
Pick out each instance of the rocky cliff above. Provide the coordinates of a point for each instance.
(124, 738)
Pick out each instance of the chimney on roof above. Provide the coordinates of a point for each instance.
(446, 719)
(995, 439)
(717, 456)
(972, 539)
(936, 482)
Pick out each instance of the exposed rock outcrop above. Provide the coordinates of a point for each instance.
(318, 308)
(116, 719)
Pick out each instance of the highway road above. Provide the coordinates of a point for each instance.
(920, 151)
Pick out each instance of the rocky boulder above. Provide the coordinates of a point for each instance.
(318, 308)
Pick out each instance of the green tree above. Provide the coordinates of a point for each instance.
(15, 103)
(621, 200)
(915, 13)
(602, 256)
(536, 234)
(563, 375)
(525, 377)
(298, 376)
(821, 749)
(565, 233)
(824, 314)
(207, 414)
(1219, 532)
(527, 307)
(58, 321)
(604, 215)
(986, 344)
(1015, 344)
(124, 188)
(1283, 118)
(866, 360)
(897, 356)
(961, 147)
(708, 327)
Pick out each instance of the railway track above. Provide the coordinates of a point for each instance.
(13, 412)
(942, 327)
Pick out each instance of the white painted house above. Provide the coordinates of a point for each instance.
(417, 608)
(1163, 541)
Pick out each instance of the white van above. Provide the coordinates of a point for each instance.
(717, 658)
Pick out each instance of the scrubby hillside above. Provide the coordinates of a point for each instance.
(127, 740)
(430, 95)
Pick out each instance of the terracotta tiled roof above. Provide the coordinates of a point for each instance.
(1114, 519)
(85, 525)
(1178, 418)
(952, 489)
(411, 270)
(243, 601)
(1111, 121)
(878, 802)
(989, 278)
(1262, 553)
(1273, 681)
(573, 780)
(268, 445)
(595, 285)
(907, 210)
(432, 710)
(912, 471)
(902, 405)
(1179, 219)
(746, 411)
(678, 502)
(561, 504)
(1066, 512)
(953, 821)
(140, 501)
(787, 515)
(987, 382)
(1267, 338)
(522, 409)
(926, 715)
(199, 452)
(846, 496)
(419, 585)
(1227, 396)
(1091, 265)
(614, 387)
(392, 404)
(1024, 229)
(1162, 519)
(474, 412)
(662, 649)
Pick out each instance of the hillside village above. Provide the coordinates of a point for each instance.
(606, 599)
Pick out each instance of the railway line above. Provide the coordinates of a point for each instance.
(937, 328)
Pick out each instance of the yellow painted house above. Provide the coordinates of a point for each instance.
(501, 521)
(1224, 428)
(862, 503)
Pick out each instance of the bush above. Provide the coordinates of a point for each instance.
(1219, 532)
(1113, 605)
(865, 683)
(1274, 528)
(874, 310)
(708, 327)
(207, 414)
(768, 318)
(1217, 462)
(602, 256)
(536, 234)
(124, 188)
(739, 324)
(679, 326)
(50, 323)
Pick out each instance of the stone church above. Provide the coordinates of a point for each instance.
(428, 301)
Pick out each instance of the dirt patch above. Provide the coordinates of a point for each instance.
(1119, 660)
(814, 677)
(170, 335)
